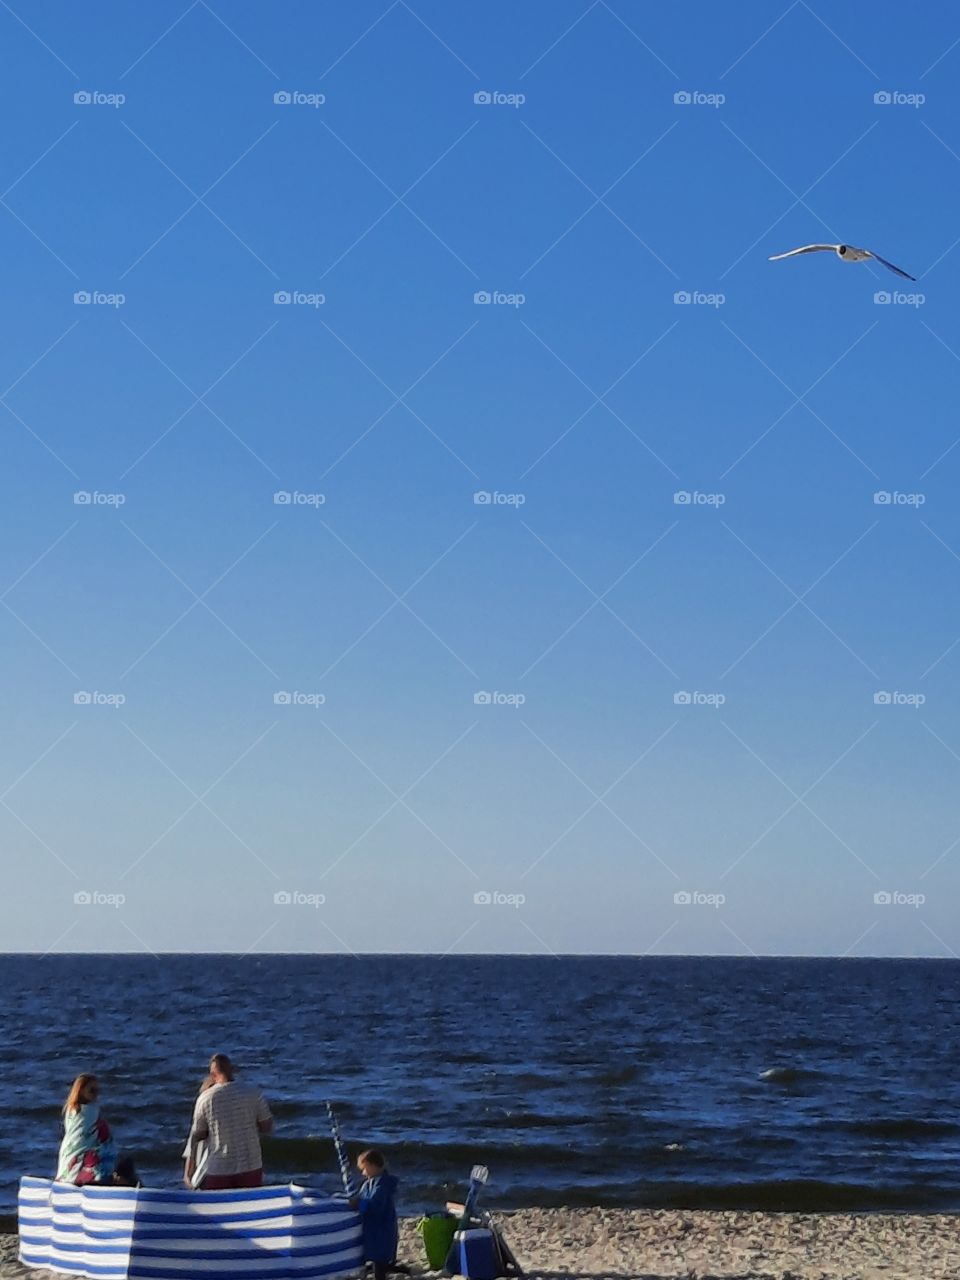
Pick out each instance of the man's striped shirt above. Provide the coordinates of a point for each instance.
(230, 1113)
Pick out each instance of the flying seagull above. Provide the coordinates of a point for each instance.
(845, 251)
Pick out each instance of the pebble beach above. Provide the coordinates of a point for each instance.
(670, 1244)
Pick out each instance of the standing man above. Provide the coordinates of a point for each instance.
(229, 1117)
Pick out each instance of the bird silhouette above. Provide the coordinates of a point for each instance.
(846, 253)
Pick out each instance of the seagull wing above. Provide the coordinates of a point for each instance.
(807, 248)
(890, 265)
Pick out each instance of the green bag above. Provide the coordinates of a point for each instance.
(436, 1230)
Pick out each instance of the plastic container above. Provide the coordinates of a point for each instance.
(476, 1254)
(437, 1231)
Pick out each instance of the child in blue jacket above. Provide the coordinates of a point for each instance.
(378, 1213)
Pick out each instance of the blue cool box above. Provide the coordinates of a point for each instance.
(476, 1254)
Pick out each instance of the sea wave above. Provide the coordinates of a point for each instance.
(786, 1075)
(902, 1128)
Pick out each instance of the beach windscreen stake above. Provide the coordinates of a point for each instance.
(345, 1172)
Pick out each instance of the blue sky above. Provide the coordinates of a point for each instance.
(151, 759)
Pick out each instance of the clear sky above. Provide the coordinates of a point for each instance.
(212, 697)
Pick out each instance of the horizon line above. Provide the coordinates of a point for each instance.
(479, 955)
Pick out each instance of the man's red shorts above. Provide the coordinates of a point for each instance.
(228, 1181)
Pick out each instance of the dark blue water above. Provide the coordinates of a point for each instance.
(615, 1081)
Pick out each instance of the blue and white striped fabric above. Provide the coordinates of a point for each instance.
(121, 1233)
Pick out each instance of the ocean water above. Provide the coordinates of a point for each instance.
(691, 1082)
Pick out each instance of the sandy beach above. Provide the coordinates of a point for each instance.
(670, 1244)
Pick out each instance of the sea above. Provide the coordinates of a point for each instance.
(691, 1082)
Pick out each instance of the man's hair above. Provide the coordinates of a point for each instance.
(372, 1156)
(222, 1065)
